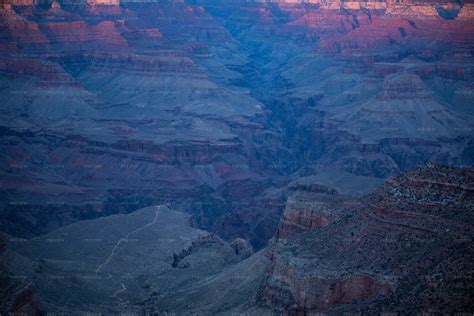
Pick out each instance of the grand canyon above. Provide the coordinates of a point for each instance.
(237, 157)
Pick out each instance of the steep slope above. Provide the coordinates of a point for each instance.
(405, 248)
(116, 264)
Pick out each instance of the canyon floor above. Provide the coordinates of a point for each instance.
(222, 157)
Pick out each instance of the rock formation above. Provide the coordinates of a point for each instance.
(392, 250)
(403, 109)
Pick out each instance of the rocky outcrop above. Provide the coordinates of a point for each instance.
(436, 190)
(466, 12)
(20, 2)
(413, 9)
(46, 74)
(103, 2)
(389, 249)
(403, 109)
(104, 33)
(310, 211)
(243, 249)
(295, 293)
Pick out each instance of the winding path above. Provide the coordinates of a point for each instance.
(125, 238)
(123, 289)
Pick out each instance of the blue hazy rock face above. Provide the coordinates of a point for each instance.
(261, 125)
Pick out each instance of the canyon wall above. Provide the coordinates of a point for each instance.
(214, 106)
(401, 249)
